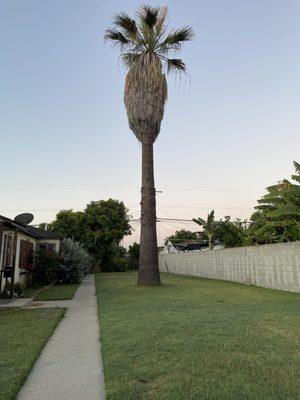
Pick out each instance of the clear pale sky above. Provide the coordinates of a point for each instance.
(231, 127)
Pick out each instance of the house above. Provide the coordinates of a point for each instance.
(189, 245)
(183, 246)
(18, 240)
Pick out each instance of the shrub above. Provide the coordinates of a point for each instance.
(74, 262)
(45, 266)
(19, 289)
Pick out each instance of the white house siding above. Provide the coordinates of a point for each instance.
(275, 266)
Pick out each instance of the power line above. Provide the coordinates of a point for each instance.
(166, 219)
(74, 209)
(208, 207)
(101, 186)
(65, 187)
(34, 209)
(165, 213)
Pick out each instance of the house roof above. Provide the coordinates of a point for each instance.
(44, 234)
(189, 245)
(31, 230)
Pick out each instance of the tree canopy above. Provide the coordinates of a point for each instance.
(147, 46)
(277, 218)
(231, 233)
(181, 236)
(210, 227)
(71, 224)
(99, 228)
(146, 36)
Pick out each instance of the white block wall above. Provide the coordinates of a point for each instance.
(275, 266)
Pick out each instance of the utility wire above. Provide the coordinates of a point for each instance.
(101, 186)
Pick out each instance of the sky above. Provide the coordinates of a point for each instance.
(231, 126)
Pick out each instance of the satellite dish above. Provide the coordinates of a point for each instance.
(24, 219)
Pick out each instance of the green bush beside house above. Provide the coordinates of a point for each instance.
(70, 265)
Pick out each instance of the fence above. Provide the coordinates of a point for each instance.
(275, 266)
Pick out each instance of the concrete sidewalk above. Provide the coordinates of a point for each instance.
(22, 302)
(70, 366)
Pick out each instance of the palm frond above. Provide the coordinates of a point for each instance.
(265, 207)
(177, 37)
(283, 185)
(126, 24)
(175, 65)
(160, 24)
(199, 221)
(149, 15)
(297, 167)
(274, 224)
(285, 211)
(115, 36)
(130, 58)
(271, 199)
(211, 216)
(296, 178)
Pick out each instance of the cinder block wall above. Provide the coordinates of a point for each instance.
(275, 266)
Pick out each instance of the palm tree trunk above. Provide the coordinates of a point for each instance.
(148, 268)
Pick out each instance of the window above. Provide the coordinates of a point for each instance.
(26, 255)
(47, 246)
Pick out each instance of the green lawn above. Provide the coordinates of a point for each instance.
(23, 334)
(198, 339)
(30, 291)
(55, 292)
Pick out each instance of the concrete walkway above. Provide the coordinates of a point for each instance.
(70, 366)
(22, 302)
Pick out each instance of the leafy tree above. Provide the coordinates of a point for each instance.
(145, 46)
(210, 227)
(231, 233)
(70, 224)
(277, 218)
(106, 224)
(99, 228)
(255, 234)
(43, 226)
(134, 255)
(182, 235)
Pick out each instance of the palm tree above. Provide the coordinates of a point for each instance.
(210, 227)
(145, 46)
(279, 210)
